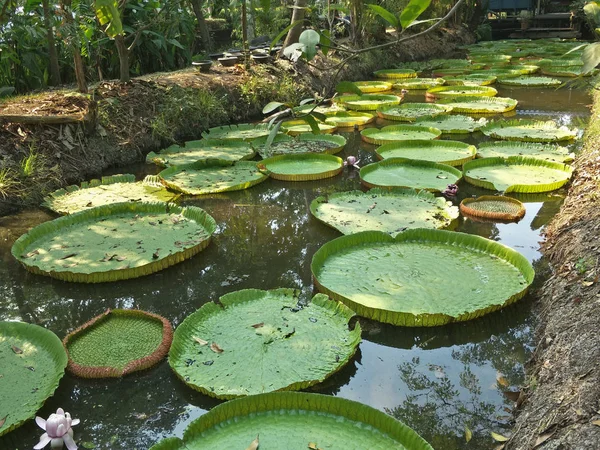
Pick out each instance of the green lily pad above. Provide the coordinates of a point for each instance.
(257, 341)
(504, 149)
(345, 119)
(390, 210)
(114, 242)
(451, 72)
(527, 68)
(493, 207)
(368, 102)
(302, 166)
(461, 91)
(413, 279)
(454, 124)
(567, 71)
(369, 87)
(395, 73)
(418, 83)
(300, 126)
(530, 81)
(412, 173)
(471, 80)
(453, 153)
(293, 420)
(529, 131)
(33, 362)
(226, 149)
(118, 342)
(485, 105)
(241, 132)
(450, 63)
(503, 73)
(484, 59)
(546, 62)
(409, 112)
(112, 189)
(211, 176)
(394, 133)
(517, 174)
(303, 143)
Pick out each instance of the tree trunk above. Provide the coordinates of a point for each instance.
(73, 42)
(52, 53)
(356, 9)
(252, 21)
(294, 34)
(123, 58)
(201, 26)
(245, 34)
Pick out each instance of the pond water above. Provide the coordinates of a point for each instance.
(437, 380)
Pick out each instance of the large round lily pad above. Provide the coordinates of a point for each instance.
(418, 83)
(369, 87)
(529, 131)
(504, 149)
(453, 124)
(413, 173)
(461, 91)
(414, 279)
(32, 362)
(226, 149)
(530, 81)
(395, 73)
(567, 71)
(295, 420)
(517, 174)
(111, 189)
(257, 341)
(471, 80)
(299, 126)
(394, 133)
(390, 210)
(368, 102)
(115, 242)
(303, 143)
(453, 153)
(212, 176)
(302, 166)
(493, 207)
(344, 119)
(241, 132)
(409, 112)
(474, 105)
(118, 342)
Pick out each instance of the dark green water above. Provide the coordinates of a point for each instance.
(437, 380)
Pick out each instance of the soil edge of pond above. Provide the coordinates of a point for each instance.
(560, 404)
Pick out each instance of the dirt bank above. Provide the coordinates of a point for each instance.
(119, 124)
(560, 406)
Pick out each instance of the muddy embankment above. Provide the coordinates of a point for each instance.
(118, 124)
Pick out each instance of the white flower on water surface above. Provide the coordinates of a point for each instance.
(58, 430)
(352, 161)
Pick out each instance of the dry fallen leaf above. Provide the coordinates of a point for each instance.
(502, 381)
(258, 325)
(2, 421)
(215, 348)
(513, 396)
(17, 350)
(312, 446)
(542, 438)
(200, 341)
(253, 445)
(498, 437)
(468, 434)
(596, 422)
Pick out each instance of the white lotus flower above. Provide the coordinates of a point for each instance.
(58, 431)
(352, 161)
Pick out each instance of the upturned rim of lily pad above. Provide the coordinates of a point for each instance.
(472, 207)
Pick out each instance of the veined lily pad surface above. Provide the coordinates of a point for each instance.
(517, 174)
(453, 124)
(241, 132)
(493, 207)
(394, 133)
(302, 167)
(474, 105)
(567, 71)
(303, 143)
(115, 242)
(368, 102)
(471, 80)
(112, 189)
(344, 119)
(212, 176)
(409, 112)
(259, 341)
(32, 362)
(504, 149)
(453, 153)
(395, 73)
(451, 72)
(418, 83)
(461, 91)
(293, 420)
(296, 127)
(529, 131)
(414, 279)
(413, 173)
(390, 210)
(118, 342)
(369, 87)
(527, 68)
(226, 149)
(530, 81)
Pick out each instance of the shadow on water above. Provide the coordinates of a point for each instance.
(437, 380)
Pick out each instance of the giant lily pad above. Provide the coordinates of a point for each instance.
(517, 174)
(493, 207)
(471, 80)
(527, 68)
(112, 189)
(414, 279)
(395, 73)
(409, 112)
(389, 210)
(368, 102)
(474, 105)
(504, 72)
(241, 132)
(454, 124)
(114, 242)
(344, 119)
(567, 71)
(257, 341)
(226, 149)
(32, 362)
(296, 127)
(530, 81)
(302, 166)
(295, 420)
(504, 149)
(118, 342)
(451, 72)
(394, 133)
(529, 131)
(212, 176)
(485, 59)
(461, 91)
(418, 83)
(413, 173)
(303, 143)
(453, 153)
(369, 87)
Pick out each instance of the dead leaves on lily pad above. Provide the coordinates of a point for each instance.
(254, 444)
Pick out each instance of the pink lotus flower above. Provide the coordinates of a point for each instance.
(58, 430)
(352, 161)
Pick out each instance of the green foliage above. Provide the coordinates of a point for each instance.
(108, 14)
(260, 88)
(483, 32)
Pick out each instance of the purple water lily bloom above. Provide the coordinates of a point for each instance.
(58, 430)
(451, 191)
(352, 161)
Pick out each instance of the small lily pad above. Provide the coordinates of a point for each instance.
(300, 126)
(368, 102)
(344, 119)
(302, 167)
